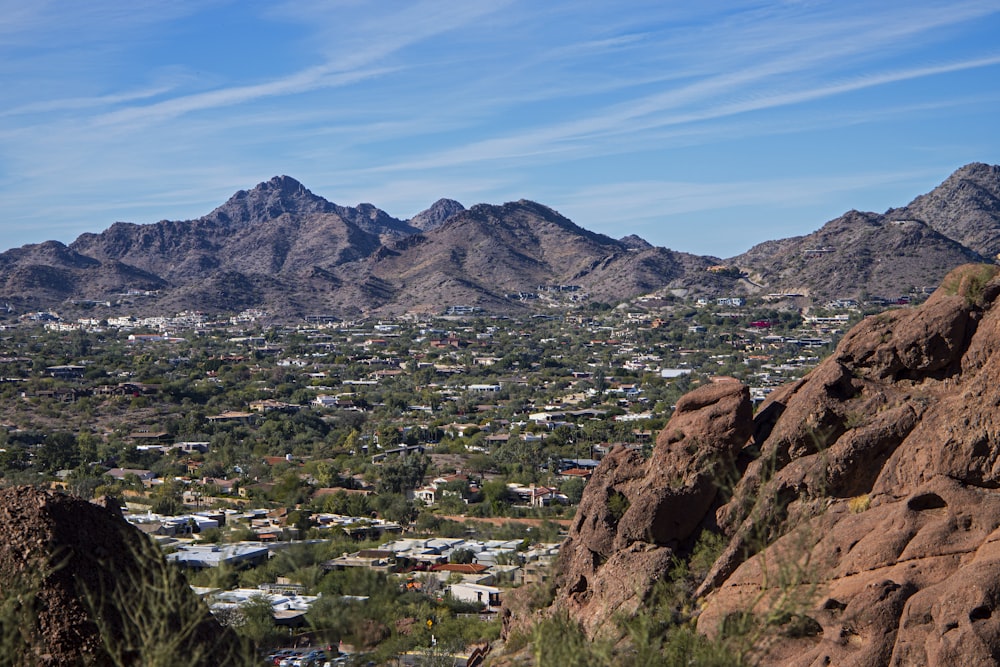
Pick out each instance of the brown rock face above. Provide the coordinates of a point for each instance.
(864, 526)
(911, 582)
(637, 512)
(873, 507)
(81, 586)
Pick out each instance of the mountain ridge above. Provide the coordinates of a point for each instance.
(293, 253)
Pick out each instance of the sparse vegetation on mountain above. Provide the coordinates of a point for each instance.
(283, 249)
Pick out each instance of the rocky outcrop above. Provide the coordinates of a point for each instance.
(865, 523)
(80, 586)
(966, 207)
(909, 582)
(637, 512)
(436, 215)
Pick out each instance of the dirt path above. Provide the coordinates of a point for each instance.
(501, 520)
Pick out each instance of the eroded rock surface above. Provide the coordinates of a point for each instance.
(80, 586)
(636, 512)
(867, 507)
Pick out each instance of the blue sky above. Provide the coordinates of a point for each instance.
(704, 129)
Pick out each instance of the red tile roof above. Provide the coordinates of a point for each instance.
(461, 568)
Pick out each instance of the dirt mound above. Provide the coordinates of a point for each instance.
(82, 586)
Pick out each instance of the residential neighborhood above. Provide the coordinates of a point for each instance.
(410, 470)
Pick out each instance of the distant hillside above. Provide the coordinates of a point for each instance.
(854, 255)
(966, 207)
(480, 256)
(281, 248)
(868, 253)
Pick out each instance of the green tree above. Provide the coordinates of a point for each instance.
(463, 556)
(497, 497)
(167, 499)
(256, 621)
(573, 489)
(58, 452)
(402, 474)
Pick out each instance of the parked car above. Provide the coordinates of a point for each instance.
(312, 658)
(276, 657)
(289, 660)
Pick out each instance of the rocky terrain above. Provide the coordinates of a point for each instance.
(963, 208)
(860, 505)
(281, 248)
(856, 255)
(83, 587)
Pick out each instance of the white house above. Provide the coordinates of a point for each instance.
(325, 401)
(489, 596)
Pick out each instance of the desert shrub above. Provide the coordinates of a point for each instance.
(17, 616)
(559, 642)
(970, 282)
(859, 504)
(617, 505)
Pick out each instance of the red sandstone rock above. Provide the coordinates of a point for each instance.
(636, 512)
(866, 517)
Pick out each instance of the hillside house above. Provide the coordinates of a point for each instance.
(232, 416)
(269, 405)
(488, 596)
(199, 557)
(532, 496)
(431, 493)
(379, 560)
(66, 372)
(145, 476)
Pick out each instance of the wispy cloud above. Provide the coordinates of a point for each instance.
(25, 23)
(310, 79)
(479, 100)
(644, 200)
(375, 42)
(81, 103)
(664, 109)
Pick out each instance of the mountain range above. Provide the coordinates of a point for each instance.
(281, 248)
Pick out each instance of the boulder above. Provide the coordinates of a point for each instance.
(636, 512)
(82, 586)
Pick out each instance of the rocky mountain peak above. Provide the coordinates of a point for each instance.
(635, 242)
(269, 200)
(965, 207)
(977, 171)
(436, 215)
(530, 215)
(286, 185)
(373, 220)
